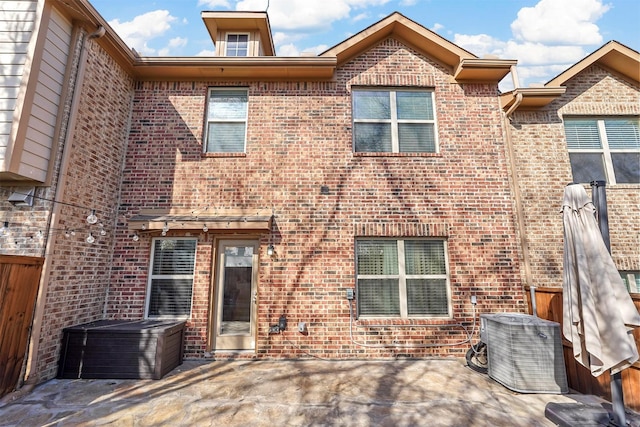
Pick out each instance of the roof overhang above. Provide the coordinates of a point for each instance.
(260, 67)
(483, 70)
(530, 98)
(463, 65)
(240, 21)
(227, 221)
(613, 56)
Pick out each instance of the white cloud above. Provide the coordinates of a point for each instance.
(296, 15)
(408, 2)
(214, 4)
(360, 17)
(547, 38)
(143, 28)
(560, 22)
(437, 27)
(174, 43)
(206, 52)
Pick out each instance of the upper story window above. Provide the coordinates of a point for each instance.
(402, 278)
(237, 45)
(171, 277)
(226, 124)
(604, 149)
(394, 121)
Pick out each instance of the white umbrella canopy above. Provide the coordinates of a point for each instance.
(598, 312)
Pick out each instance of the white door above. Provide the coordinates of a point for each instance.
(236, 295)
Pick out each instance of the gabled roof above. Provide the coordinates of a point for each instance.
(614, 56)
(463, 65)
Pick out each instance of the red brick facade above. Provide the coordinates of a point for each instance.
(299, 141)
(137, 145)
(542, 162)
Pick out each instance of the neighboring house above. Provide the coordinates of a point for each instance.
(365, 195)
(581, 126)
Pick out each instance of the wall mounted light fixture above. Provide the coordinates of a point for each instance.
(270, 250)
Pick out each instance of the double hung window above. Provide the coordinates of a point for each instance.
(604, 149)
(171, 277)
(402, 278)
(226, 124)
(394, 121)
(237, 45)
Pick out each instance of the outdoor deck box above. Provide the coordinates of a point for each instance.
(121, 349)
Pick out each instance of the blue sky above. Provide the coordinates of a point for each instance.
(546, 36)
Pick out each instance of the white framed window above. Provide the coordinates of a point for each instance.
(226, 123)
(394, 121)
(604, 149)
(170, 285)
(402, 278)
(631, 280)
(237, 45)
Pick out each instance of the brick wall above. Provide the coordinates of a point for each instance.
(544, 169)
(80, 272)
(299, 140)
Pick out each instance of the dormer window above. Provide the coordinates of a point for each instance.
(237, 44)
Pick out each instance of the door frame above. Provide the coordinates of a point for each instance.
(215, 300)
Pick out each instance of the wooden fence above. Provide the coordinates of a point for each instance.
(549, 306)
(19, 279)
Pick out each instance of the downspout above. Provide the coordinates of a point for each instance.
(30, 376)
(515, 187)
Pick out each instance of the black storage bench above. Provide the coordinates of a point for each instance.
(121, 349)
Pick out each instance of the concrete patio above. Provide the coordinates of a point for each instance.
(436, 392)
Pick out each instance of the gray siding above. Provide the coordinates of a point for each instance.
(17, 20)
(42, 121)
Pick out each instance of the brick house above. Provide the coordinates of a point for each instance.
(364, 194)
(581, 126)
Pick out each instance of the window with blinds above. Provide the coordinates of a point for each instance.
(604, 149)
(171, 277)
(402, 278)
(226, 125)
(395, 121)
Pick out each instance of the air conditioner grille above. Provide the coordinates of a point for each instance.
(525, 352)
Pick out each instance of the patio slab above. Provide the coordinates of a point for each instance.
(433, 392)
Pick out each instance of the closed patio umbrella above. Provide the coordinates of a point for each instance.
(598, 312)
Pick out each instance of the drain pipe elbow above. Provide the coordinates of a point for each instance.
(515, 104)
(100, 32)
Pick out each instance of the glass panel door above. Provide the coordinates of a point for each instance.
(236, 295)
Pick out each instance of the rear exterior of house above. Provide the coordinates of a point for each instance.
(365, 206)
(348, 205)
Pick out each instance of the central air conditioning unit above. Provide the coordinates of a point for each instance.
(524, 352)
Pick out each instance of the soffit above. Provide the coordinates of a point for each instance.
(260, 67)
(613, 55)
(531, 98)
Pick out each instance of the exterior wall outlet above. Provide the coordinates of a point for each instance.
(274, 329)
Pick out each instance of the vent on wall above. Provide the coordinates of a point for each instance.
(524, 352)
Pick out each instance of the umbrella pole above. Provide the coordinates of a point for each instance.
(599, 198)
